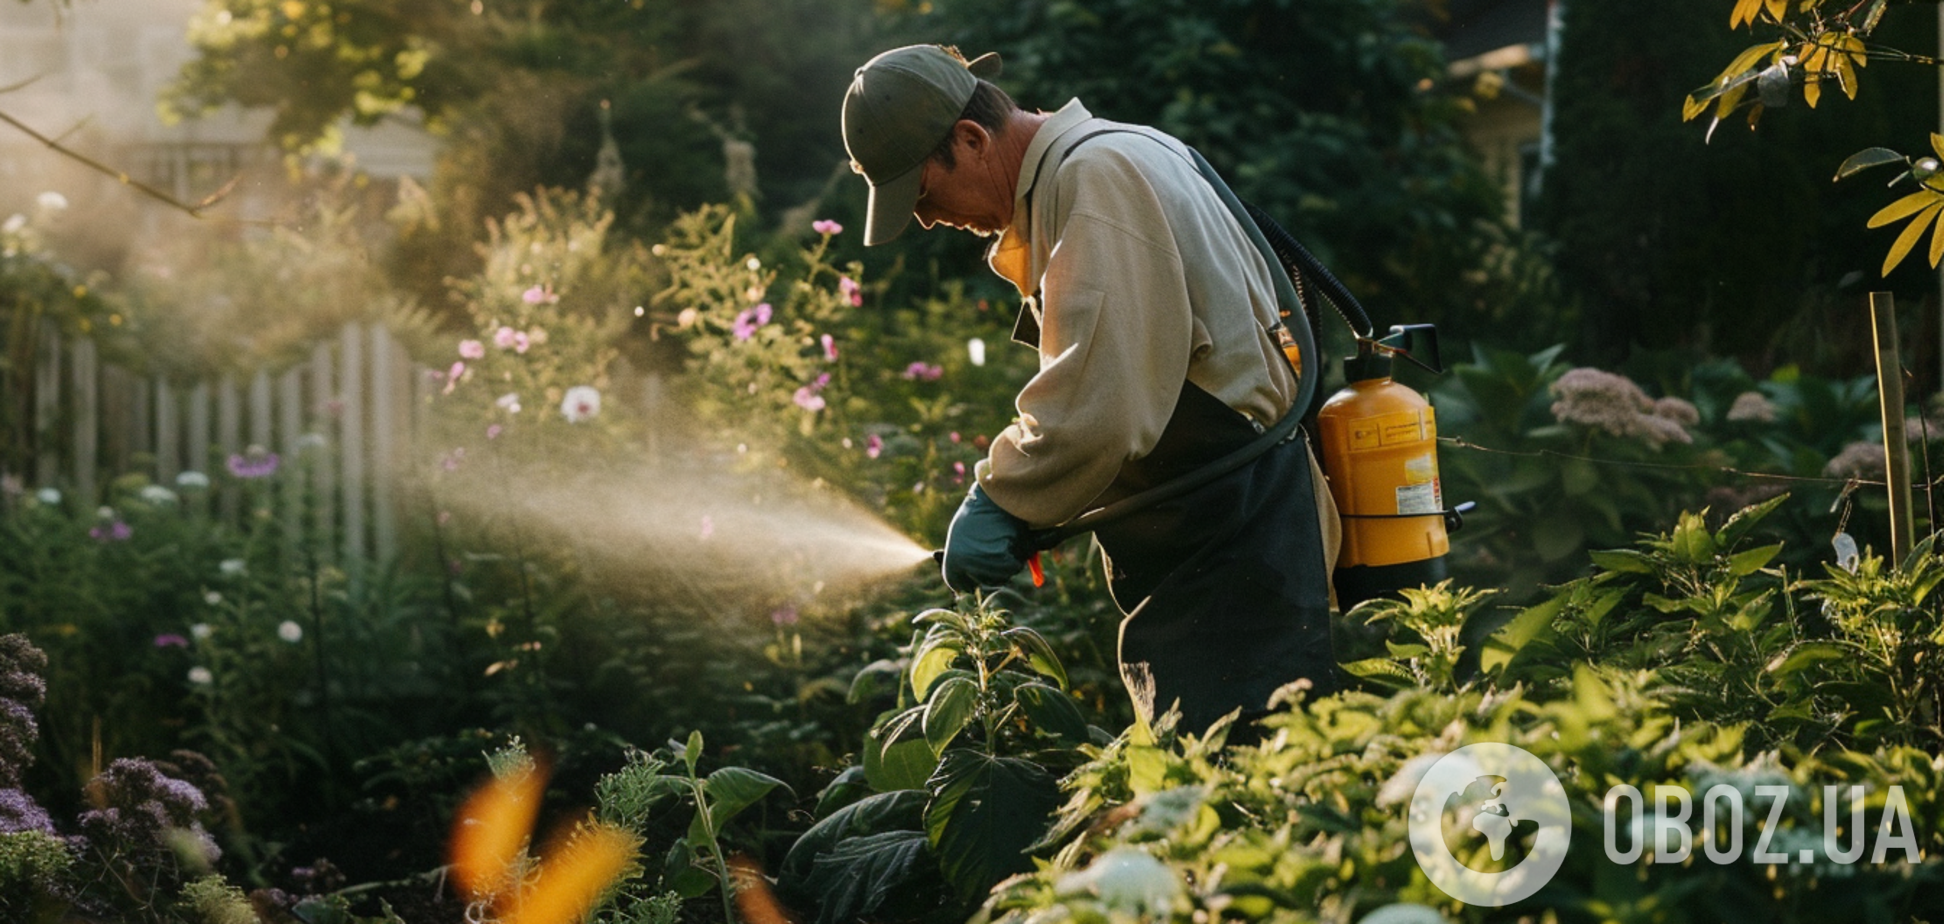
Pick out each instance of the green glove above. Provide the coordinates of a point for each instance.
(985, 545)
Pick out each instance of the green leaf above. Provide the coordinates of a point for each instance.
(1039, 654)
(1147, 769)
(1406, 652)
(1807, 654)
(948, 712)
(986, 811)
(1629, 561)
(853, 879)
(1867, 158)
(1382, 670)
(1742, 564)
(732, 789)
(1745, 519)
(1691, 543)
(692, 752)
(871, 679)
(1503, 645)
(847, 789)
(1052, 711)
(901, 808)
(905, 765)
(933, 659)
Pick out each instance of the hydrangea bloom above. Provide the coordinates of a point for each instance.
(1615, 404)
(1752, 406)
(581, 403)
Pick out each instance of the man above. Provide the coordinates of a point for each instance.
(1155, 316)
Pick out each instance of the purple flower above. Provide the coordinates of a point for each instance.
(826, 226)
(472, 349)
(808, 399)
(784, 616)
(923, 372)
(19, 812)
(171, 640)
(852, 292)
(829, 347)
(254, 464)
(752, 318)
(873, 445)
(117, 531)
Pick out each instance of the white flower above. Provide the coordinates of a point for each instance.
(753, 264)
(105, 513)
(231, 566)
(212, 598)
(14, 223)
(157, 494)
(290, 632)
(975, 348)
(48, 496)
(192, 479)
(199, 631)
(581, 403)
(201, 676)
(51, 201)
(1126, 879)
(510, 402)
(311, 441)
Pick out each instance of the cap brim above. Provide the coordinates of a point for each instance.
(891, 205)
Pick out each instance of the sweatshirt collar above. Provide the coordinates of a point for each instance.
(1010, 256)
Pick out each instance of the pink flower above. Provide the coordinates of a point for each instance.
(115, 532)
(450, 461)
(538, 294)
(873, 445)
(922, 371)
(953, 436)
(958, 473)
(851, 290)
(452, 375)
(493, 431)
(171, 640)
(830, 347)
(784, 616)
(826, 226)
(808, 399)
(708, 527)
(472, 349)
(507, 338)
(752, 318)
(580, 404)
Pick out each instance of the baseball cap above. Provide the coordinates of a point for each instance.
(900, 105)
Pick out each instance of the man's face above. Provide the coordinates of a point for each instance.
(972, 195)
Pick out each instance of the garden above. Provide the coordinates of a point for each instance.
(548, 537)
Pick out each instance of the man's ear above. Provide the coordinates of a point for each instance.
(973, 137)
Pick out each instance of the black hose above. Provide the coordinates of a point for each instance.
(1300, 263)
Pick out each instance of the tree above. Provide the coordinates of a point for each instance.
(1329, 114)
(1733, 244)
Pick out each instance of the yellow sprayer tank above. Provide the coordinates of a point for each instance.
(1380, 452)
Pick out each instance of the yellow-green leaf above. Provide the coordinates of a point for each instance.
(1911, 234)
(1937, 143)
(1812, 90)
(1908, 205)
(1691, 108)
(1937, 243)
(1744, 11)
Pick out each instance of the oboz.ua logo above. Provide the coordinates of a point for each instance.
(1490, 824)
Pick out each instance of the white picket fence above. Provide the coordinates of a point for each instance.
(344, 424)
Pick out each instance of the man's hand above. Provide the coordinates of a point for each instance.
(984, 546)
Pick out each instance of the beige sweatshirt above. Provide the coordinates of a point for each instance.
(1144, 279)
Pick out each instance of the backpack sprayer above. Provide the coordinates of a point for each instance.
(1379, 437)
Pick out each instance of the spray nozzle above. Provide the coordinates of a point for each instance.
(1416, 343)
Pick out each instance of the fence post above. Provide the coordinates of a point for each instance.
(384, 442)
(324, 473)
(352, 424)
(47, 408)
(1889, 365)
(87, 423)
(197, 448)
(229, 439)
(168, 434)
(290, 420)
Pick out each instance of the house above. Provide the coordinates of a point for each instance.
(1500, 48)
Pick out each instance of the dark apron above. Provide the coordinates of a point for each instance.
(1225, 588)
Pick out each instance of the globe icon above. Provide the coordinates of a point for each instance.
(1484, 808)
(1489, 823)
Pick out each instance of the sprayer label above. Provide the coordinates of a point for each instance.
(1391, 430)
(1419, 499)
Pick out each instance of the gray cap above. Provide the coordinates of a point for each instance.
(900, 105)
